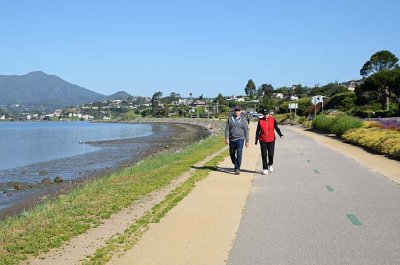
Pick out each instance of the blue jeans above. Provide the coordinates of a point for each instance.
(235, 151)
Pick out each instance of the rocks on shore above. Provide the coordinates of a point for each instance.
(43, 172)
(58, 179)
(15, 186)
(45, 181)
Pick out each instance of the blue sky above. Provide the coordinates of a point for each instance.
(200, 47)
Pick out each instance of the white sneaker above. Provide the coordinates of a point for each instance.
(271, 169)
(265, 172)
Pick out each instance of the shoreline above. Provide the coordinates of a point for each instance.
(176, 136)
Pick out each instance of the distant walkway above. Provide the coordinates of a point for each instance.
(319, 207)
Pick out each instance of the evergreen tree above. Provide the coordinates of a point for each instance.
(250, 88)
(382, 60)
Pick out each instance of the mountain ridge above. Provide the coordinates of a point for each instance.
(38, 88)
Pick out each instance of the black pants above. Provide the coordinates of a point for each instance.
(267, 153)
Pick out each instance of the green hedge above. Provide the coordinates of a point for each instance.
(343, 123)
(322, 122)
(336, 125)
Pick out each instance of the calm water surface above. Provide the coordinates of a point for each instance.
(70, 150)
(25, 143)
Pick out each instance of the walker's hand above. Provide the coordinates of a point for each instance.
(227, 141)
(282, 137)
(247, 145)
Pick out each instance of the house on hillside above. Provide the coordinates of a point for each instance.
(351, 85)
(57, 113)
(198, 103)
(179, 102)
(278, 95)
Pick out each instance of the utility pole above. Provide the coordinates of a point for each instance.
(208, 111)
(322, 112)
(387, 98)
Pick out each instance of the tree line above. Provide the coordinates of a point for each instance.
(378, 90)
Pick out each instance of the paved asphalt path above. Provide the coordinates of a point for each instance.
(318, 207)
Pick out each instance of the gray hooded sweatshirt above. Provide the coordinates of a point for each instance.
(237, 129)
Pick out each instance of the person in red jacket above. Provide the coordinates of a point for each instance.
(266, 135)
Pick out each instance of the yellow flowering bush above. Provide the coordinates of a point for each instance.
(384, 141)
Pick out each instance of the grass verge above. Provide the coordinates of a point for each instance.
(132, 234)
(51, 223)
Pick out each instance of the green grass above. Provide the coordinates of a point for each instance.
(132, 234)
(50, 224)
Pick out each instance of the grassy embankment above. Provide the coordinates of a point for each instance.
(50, 224)
(131, 235)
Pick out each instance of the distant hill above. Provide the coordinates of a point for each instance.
(40, 89)
(119, 95)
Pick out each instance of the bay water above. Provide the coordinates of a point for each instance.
(33, 151)
(25, 143)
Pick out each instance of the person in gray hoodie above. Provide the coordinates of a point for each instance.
(236, 135)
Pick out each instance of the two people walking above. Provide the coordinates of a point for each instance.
(237, 136)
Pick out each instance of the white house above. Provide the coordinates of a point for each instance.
(278, 95)
(179, 102)
(199, 103)
(57, 113)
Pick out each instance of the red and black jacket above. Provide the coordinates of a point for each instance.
(265, 130)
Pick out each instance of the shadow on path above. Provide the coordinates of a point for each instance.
(223, 169)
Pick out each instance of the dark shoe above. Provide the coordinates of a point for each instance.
(237, 172)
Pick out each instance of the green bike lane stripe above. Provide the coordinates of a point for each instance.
(354, 220)
(329, 188)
